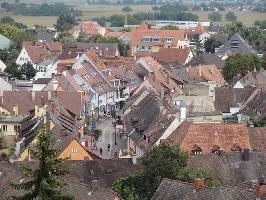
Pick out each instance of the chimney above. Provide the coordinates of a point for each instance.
(260, 190)
(168, 78)
(49, 94)
(246, 155)
(162, 93)
(198, 183)
(200, 71)
(33, 96)
(16, 110)
(134, 159)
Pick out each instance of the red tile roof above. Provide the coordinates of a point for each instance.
(172, 55)
(37, 54)
(88, 28)
(206, 136)
(204, 73)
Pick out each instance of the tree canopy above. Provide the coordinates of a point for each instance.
(211, 44)
(26, 71)
(127, 9)
(230, 16)
(44, 181)
(65, 22)
(163, 161)
(240, 64)
(215, 16)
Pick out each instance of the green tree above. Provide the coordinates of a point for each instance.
(263, 61)
(117, 20)
(189, 175)
(65, 22)
(100, 20)
(240, 64)
(44, 182)
(211, 44)
(22, 36)
(28, 71)
(66, 39)
(230, 16)
(1, 140)
(127, 9)
(215, 16)
(198, 49)
(155, 8)
(8, 30)
(13, 70)
(163, 161)
(100, 39)
(169, 27)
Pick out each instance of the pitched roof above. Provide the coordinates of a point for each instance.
(37, 54)
(44, 36)
(226, 97)
(206, 135)
(171, 189)
(102, 49)
(172, 55)
(205, 73)
(25, 101)
(11, 173)
(137, 35)
(88, 28)
(236, 44)
(206, 59)
(255, 79)
(92, 76)
(257, 138)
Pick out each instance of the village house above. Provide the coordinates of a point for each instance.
(206, 59)
(108, 50)
(88, 28)
(206, 73)
(230, 100)
(236, 44)
(38, 52)
(144, 39)
(14, 128)
(207, 138)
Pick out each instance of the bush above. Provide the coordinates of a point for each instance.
(97, 134)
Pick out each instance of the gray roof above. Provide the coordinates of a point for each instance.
(176, 190)
(236, 44)
(206, 59)
(14, 119)
(106, 49)
(44, 36)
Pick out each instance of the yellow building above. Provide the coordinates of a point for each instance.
(14, 127)
(67, 146)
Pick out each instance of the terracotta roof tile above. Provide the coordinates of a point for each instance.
(206, 135)
(172, 55)
(205, 73)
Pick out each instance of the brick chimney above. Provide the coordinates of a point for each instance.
(198, 183)
(200, 73)
(33, 96)
(260, 190)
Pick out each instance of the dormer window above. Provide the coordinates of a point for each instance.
(168, 39)
(236, 148)
(196, 150)
(259, 112)
(234, 43)
(215, 149)
(147, 39)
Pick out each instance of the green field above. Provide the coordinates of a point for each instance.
(90, 11)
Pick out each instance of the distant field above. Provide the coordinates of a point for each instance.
(90, 11)
(247, 18)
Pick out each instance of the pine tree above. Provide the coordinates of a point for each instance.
(44, 183)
